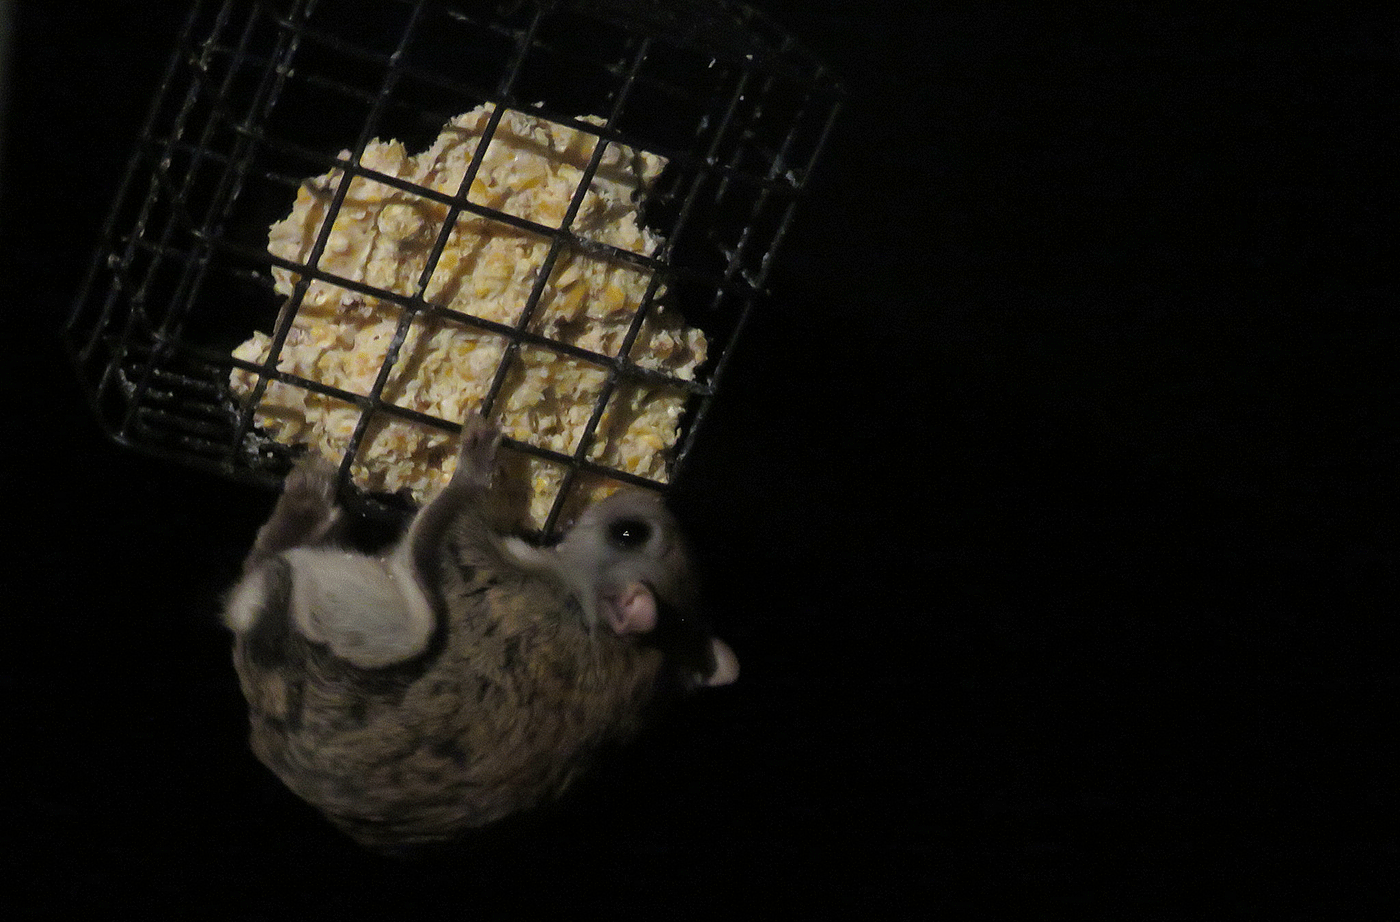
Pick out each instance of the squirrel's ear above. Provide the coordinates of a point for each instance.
(726, 664)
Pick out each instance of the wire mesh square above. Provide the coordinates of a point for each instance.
(289, 262)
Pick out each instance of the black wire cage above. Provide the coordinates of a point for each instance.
(262, 98)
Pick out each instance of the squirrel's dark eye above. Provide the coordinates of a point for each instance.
(628, 533)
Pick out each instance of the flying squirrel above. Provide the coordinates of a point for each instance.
(465, 675)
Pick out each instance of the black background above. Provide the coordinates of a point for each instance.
(1050, 510)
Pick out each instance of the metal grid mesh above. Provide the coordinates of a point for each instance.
(256, 98)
